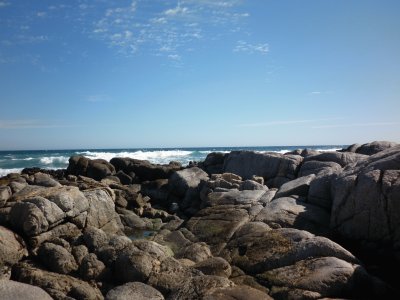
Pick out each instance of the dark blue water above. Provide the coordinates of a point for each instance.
(15, 161)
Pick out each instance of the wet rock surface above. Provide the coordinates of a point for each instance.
(242, 225)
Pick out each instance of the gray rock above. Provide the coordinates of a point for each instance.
(91, 268)
(101, 209)
(290, 212)
(327, 276)
(261, 251)
(214, 266)
(234, 197)
(130, 219)
(371, 148)
(268, 196)
(38, 209)
(17, 186)
(186, 185)
(95, 238)
(199, 286)
(45, 180)
(317, 167)
(216, 225)
(57, 259)
(267, 165)
(365, 197)
(124, 178)
(252, 185)
(214, 162)
(79, 252)
(134, 290)
(5, 194)
(341, 158)
(320, 190)
(299, 186)
(239, 292)
(171, 275)
(67, 231)
(56, 285)
(137, 261)
(181, 181)
(196, 252)
(99, 169)
(13, 290)
(144, 170)
(12, 247)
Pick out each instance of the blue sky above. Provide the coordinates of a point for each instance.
(156, 73)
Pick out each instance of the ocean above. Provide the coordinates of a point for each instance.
(15, 161)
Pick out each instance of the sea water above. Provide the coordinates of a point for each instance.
(15, 161)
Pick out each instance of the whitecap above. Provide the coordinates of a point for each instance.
(4, 172)
(48, 160)
(154, 156)
(26, 159)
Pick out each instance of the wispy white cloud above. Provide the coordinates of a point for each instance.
(4, 4)
(368, 124)
(285, 122)
(41, 14)
(169, 28)
(315, 93)
(27, 124)
(243, 46)
(178, 10)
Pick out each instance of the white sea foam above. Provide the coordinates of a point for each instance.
(156, 156)
(4, 172)
(48, 160)
(209, 151)
(26, 159)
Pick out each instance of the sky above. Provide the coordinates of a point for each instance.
(168, 73)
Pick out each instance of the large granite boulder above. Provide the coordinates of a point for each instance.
(370, 148)
(58, 286)
(12, 250)
(214, 266)
(297, 264)
(318, 167)
(292, 212)
(341, 158)
(200, 286)
(323, 277)
(5, 194)
(137, 261)
(216, 225)
(171, 275)
(96, 168)
(57, 258)
(233, 197)
(134, 290)
(214, 162)
(13, 290)
(275, 168)
(299, 186)
(239, 292)
(144, 170)
(185, 185)
(37, 209)
(366, 203)
(256, 251)
(101, 212)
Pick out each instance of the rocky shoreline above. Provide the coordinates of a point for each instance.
(241, 225)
